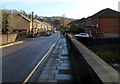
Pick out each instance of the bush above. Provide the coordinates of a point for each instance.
(109, 53)
(74, 29)
(106, 56)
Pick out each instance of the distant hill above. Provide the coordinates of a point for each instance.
(66, 20)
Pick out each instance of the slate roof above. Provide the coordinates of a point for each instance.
(38, 21)
(77, 21)
(106, 13)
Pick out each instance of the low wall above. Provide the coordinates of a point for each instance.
(90, 69)
(21, 36)
(7, 38)
(112, 35)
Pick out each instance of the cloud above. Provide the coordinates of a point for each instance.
(119, 6)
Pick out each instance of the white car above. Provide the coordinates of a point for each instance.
(82, 35)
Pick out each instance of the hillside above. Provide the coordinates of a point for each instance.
(66, 20)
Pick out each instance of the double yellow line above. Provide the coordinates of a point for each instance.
(35, 68)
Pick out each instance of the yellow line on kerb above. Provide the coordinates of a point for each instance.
(11, 44)
(29, 76)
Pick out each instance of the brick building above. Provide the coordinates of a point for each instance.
(105, 23)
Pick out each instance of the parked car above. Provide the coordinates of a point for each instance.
(47, 33)
(83, 35)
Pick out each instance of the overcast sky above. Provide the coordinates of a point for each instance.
(70, 8)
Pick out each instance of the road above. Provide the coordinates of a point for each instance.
(19, 60)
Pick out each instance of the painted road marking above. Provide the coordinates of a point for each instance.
(11, 44)
(29, 76)
(35, 68)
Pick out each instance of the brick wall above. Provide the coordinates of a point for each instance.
(109, 25)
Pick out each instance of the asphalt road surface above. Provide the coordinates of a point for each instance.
(19, 60)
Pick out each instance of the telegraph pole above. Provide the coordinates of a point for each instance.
(63, 24)
(63, 16)
(32, 32)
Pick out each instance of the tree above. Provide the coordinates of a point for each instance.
(62, 20)
(5, 15)
(48, 20)
(23, 13)
(29, 16)
(56, 23)
(36, 17)
(74, 28)
(13, 20)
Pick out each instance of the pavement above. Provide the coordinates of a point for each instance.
(58, 69)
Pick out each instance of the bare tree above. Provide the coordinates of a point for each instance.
(4, 19)
(13, 20)
(63, 18)
(0, 22)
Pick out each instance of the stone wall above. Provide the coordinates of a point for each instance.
(90, 69)
(7, 38)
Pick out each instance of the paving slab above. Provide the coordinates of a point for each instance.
(65, 72)
(64, 61)
(63, 77)
(58, 68)
(46, 77)
(65, 64)
(52, 62)
(64, 68)
(57, 64)
(50, 71)
(50, 67)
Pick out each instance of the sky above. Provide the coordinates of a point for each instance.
(75, 9)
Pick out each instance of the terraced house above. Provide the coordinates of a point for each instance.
(40, 27)
(105, 23)
(23, 23)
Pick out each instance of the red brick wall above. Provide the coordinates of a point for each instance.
(109, 25)
(88, 22)
(105, 25)
(92, 21)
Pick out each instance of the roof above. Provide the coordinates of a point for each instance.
(44, 23)
(24, 17)
(38, 21)
(106, 13)
(77, 21)
(91, 27)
